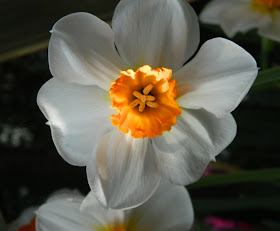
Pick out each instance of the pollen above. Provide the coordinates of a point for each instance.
(271, 4)
(144, 101)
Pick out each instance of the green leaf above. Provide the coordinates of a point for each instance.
(258, 176)
(267, 78)
(217, 205)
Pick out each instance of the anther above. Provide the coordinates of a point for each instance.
(150, 98)
(147, 89)
(141, 106)
(137, 94)
(134, 103)
(143, 98)
(152, 104)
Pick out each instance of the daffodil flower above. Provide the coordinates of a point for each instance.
(170, 208)
(242, 15)
(124, 104)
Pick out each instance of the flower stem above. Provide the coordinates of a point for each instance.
(267, 46)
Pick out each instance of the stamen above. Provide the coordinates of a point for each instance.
(142, 106)
(143, 98)
(152, 104)
(137, 94)
(147, 89)
(134, 103)
(150, 98)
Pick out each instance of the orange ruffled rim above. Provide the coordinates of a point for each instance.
(29, 227)
(268, 3)
(153, 115)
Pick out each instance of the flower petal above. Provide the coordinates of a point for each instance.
(63, 214)
(159, 33)
(233, 16)
(272, 30)
(123, 173)
(81, 50)
(217, 78)
(169, 209)
(211, 13)
(101, 217)
(195, 140)
(78, 116)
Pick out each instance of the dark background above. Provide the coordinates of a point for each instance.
(31, 169)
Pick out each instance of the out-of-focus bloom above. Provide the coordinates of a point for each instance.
(208, 171)
(242, 15)
(170, 208)
(163, 119)
(220, 224)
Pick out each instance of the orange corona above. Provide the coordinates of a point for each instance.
(144, 101)
(29, 227)
(268, 3)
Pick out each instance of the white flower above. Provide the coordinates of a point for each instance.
(242, 15)
(97, 107)
(170, 208)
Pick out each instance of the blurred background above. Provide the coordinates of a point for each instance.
(241, 191)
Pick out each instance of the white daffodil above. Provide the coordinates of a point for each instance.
(123, 104)
(242, 15)
(170, 208)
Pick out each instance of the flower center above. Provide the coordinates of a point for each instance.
(268, 3)
(118, 226)
(144, 101)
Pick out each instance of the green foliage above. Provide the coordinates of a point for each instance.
(257, 176)
(267, 78)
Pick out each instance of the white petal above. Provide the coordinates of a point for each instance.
(242, 18)
(160, 33)
(217, 78)
(78, 116)
(82, 50)
(123, 173)
(195, 140)
(211, 13)
(101, 216)
(272, 30)
(63, 214)
(169, 209)
(64, 193)
(233, 16)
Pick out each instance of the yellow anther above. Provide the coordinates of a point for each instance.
(152, 104)
(134, 103)
(141, 106)
(137, 94)
(143, 98)
(147, 89)
(150, 98)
